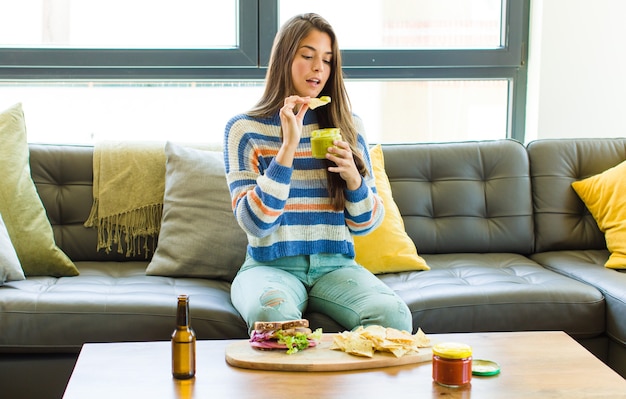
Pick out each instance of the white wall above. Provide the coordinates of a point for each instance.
(576, 69)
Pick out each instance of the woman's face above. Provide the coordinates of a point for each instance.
(310, 68)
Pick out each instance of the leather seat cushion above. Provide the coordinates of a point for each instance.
(111, 301)
(497, 292)
(588, 266)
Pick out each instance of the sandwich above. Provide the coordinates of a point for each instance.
(292, 336)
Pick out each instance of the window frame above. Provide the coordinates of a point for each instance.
(257, 26)
(161, 64)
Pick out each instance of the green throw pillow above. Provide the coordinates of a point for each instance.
(21, 208)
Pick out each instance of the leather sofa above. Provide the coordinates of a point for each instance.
(510, 245)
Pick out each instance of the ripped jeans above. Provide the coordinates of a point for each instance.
(331, 284)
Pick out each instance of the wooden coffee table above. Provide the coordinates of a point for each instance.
(534, 365)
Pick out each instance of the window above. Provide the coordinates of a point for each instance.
(84, 112)
(440, 110)
(416, 70)
(119, 24)
(417, 24)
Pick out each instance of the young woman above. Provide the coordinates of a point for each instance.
(299, 212)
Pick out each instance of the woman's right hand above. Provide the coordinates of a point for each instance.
(291, 119)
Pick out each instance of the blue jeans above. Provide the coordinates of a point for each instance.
(327, 283)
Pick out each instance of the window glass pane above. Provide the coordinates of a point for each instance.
(393, 111)
(431, 111)
(407, 24)
(119, 23)
(87, 112)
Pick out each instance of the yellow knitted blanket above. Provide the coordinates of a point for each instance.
(128, 187)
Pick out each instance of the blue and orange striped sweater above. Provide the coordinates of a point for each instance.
(287, 211)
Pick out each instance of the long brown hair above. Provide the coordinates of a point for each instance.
(279, 85)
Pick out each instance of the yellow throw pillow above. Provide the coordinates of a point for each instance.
(388, 249)
(21, 208)
(605, 197)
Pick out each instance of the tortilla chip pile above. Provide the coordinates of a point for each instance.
(365, 341)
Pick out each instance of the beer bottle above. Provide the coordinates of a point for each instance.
(183, 342)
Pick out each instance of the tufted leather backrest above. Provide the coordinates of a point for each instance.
(463, 197)
(63, 175)
(562, 221)
(454, 197)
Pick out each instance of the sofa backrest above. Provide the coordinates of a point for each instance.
(63, 175)
(562, 221)
(454, 197)
(463, 197)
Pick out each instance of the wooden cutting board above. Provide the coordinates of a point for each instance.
(320, 358)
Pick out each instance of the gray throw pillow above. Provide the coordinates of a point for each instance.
(10, 268)
(199, 235)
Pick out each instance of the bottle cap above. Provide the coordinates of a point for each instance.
(327, 132)
(482, 367)
(452, 350)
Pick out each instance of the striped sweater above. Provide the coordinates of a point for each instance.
(287, 211)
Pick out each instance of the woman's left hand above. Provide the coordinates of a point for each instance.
(341, 155)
